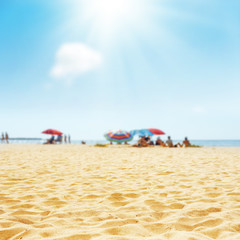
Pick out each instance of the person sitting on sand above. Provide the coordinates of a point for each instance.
(151, 143)
(141, 143)
(50, 141)
(160, 142)
(169, 142)
(186, 142)
(147, 139)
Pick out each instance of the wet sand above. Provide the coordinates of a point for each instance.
(117, 193)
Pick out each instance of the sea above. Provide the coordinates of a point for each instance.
(204, 143)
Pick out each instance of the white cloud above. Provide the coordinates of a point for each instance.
(74, 59)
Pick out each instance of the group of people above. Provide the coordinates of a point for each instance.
(185, 143)
(5, 138)
(59, 139)
(146, 141)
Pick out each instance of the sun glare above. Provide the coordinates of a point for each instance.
(111, 14)
(111, 22)
(109, 9)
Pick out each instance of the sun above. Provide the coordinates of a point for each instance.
(110, 15)
(108, 23)
(108, 10)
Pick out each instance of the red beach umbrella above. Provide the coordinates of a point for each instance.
(156, 131)
(52, 132)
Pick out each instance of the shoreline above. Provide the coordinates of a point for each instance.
(202, 143)
(111, 146)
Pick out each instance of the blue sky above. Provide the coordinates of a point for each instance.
(87, 66)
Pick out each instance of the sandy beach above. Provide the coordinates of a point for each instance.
(119, 192)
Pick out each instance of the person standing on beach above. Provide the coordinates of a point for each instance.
(6, 137)
(65, 138)
(69, 139)
(3, 138)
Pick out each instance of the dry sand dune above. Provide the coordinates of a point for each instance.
(118, 193)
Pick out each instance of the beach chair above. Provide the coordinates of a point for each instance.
(50, 141)
(59, 139)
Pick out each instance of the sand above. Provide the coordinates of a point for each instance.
(117, 193)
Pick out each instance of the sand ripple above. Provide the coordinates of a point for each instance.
(119, 193)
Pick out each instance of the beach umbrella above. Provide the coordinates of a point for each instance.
(118, 136)
(146, 132)
(52, 132)
(156, 131)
